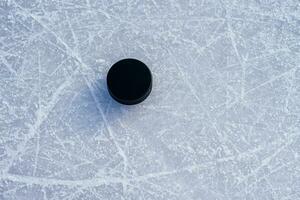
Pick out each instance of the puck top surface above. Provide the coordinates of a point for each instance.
(129, 81)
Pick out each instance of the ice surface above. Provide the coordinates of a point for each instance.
(222, 121)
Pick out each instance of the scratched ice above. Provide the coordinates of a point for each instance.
(222, 121)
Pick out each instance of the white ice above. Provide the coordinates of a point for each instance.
(222, 121)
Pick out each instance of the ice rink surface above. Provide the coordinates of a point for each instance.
(222, 121)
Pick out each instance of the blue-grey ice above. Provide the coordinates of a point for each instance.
(222, 121)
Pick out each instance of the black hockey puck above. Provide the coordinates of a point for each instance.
(129, 81)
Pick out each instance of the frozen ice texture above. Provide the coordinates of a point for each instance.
(222, 121)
